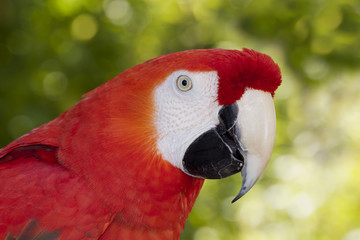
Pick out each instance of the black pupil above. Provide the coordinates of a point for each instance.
(184, 82)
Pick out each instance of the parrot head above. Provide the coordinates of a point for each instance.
(208, 113)
(214, 113)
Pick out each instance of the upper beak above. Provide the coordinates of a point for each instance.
(257, 124)
(242, 141)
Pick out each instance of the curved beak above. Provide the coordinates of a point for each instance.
(242, 141)
(257, 124)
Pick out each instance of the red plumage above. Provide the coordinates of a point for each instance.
(95, 172)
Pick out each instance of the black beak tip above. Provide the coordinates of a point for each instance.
(236, 198)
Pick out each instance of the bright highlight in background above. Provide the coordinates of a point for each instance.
(84, 27)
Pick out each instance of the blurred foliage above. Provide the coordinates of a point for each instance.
(52, 52)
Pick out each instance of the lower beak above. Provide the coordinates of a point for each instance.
(242, 141)
(217, 152)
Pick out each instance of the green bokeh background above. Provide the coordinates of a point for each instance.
(53, 51)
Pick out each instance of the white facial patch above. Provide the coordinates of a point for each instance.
(181, 117)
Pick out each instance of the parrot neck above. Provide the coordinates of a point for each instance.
(143, 190)
(157, 197)
(159, 201)
(143, 193)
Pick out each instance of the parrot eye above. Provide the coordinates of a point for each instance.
(184, 83)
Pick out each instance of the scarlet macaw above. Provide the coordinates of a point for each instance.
(129, 159)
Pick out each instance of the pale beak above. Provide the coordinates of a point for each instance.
(257, 124)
